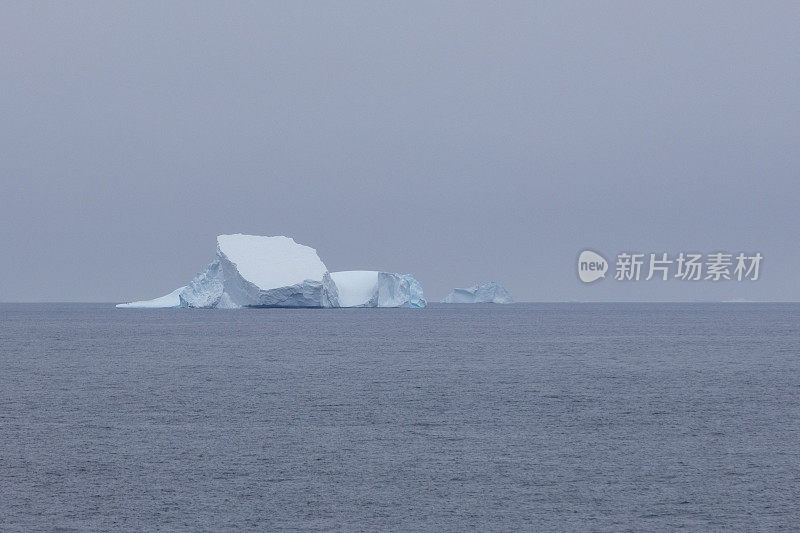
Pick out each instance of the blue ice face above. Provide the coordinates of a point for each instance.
(417, 299)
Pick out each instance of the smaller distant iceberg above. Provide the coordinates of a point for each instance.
(487, 293)
(372, 288)
(167, 301)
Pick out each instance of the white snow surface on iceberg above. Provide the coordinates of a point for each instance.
(270, 262)
(372, 288)
(163, 302)
(256, 271)
(487, 293)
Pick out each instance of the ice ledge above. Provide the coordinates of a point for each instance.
(163, 302)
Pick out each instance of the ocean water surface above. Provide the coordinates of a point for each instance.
(451, 418)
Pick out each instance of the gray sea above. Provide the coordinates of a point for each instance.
(603, 417)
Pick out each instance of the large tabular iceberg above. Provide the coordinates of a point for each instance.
(371, 288)
(256, 271)
(487, 293)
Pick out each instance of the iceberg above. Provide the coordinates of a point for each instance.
(372, 288)
(256, 271)
(163, 302)
(487, 293)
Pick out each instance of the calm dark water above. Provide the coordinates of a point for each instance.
(521, 417)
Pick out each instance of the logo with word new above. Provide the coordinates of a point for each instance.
(591, 266)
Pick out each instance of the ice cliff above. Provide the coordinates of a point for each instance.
(487, 293)
(257, 271)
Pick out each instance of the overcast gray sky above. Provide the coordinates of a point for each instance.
(461, 142)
